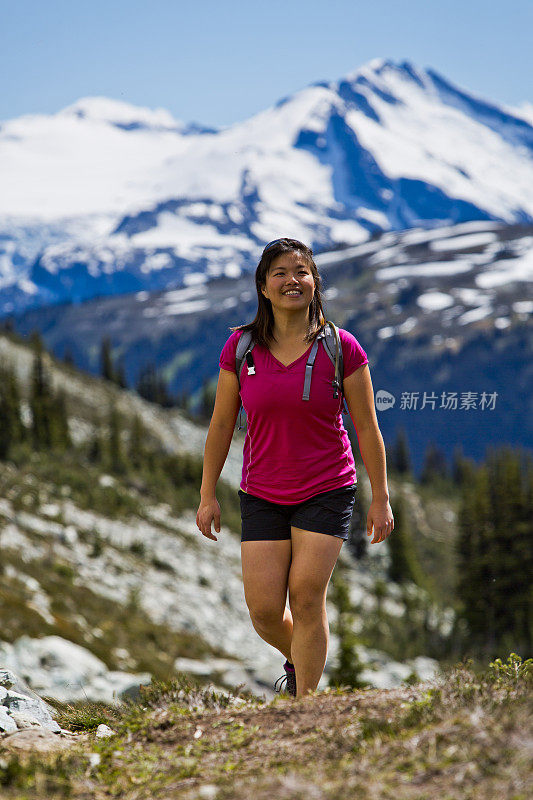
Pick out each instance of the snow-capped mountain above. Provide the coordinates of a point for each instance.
(106, 198)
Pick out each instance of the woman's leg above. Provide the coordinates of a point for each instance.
(313, 558)
(265, 570)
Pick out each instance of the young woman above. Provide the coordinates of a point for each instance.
(298, 480)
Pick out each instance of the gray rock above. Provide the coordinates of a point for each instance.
(24, 720)
(194, 666)
(207, 791)
(34, 740)
(28, 712)
(10, 680)
(7, 723)
(21, 707)
(426, 668)
(103, 731)
(66, 671)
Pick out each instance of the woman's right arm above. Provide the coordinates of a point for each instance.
(219, 436)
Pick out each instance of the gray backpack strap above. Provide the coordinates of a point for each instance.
(309, 370)
(244, 345)
(332, 346)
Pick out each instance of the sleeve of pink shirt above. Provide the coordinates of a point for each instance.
(227, 356)
(353, 354)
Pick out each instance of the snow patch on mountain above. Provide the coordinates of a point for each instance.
(516, 269)
(434, 301)
(458, 242)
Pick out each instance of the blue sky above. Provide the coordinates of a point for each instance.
(220, 62)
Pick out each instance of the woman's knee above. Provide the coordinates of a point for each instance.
(265, 615)
(306, 604)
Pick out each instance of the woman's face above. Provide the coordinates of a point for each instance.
(289, 272)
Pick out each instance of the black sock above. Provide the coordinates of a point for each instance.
(288, 664)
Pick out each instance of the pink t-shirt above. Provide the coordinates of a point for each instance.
(294, 448)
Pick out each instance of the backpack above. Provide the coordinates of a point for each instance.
(329, 336)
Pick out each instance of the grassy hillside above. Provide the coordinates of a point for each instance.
(466, 737)
(43, 492)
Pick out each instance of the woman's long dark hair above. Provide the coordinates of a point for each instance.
(262, 327)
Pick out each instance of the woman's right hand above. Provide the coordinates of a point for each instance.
(208, 510)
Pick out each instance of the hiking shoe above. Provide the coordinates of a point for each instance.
(289, 679)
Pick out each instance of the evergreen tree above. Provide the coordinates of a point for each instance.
(136, 449)
(474, 578)
(95, 451)
(348, 668)
(41, 400)
(120, 376)
(61, 436)
(207, 400)
(512, 547)
(357, 540)
(495, 548)
(146, 384)
(182, 399)
(152, 387)
(458, 465)
(68, 358)
(435, 468)
(165, 399)
(12, 429)
(116, 458)
(525, 532)
(49, 426)
(116, 375)
(400, 460)
(380, 593)
(107, 369)
(404, 564)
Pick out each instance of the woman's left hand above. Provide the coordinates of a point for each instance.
(380, 518)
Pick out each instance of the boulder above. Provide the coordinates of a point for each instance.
(21, 706)
(67, 672)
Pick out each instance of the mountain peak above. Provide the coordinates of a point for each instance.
(121, 114)
(384, 68)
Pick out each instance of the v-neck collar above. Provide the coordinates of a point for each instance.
(288, 366)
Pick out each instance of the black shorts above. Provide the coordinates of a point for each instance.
(328, 512)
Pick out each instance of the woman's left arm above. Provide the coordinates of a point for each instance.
(359, 396)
